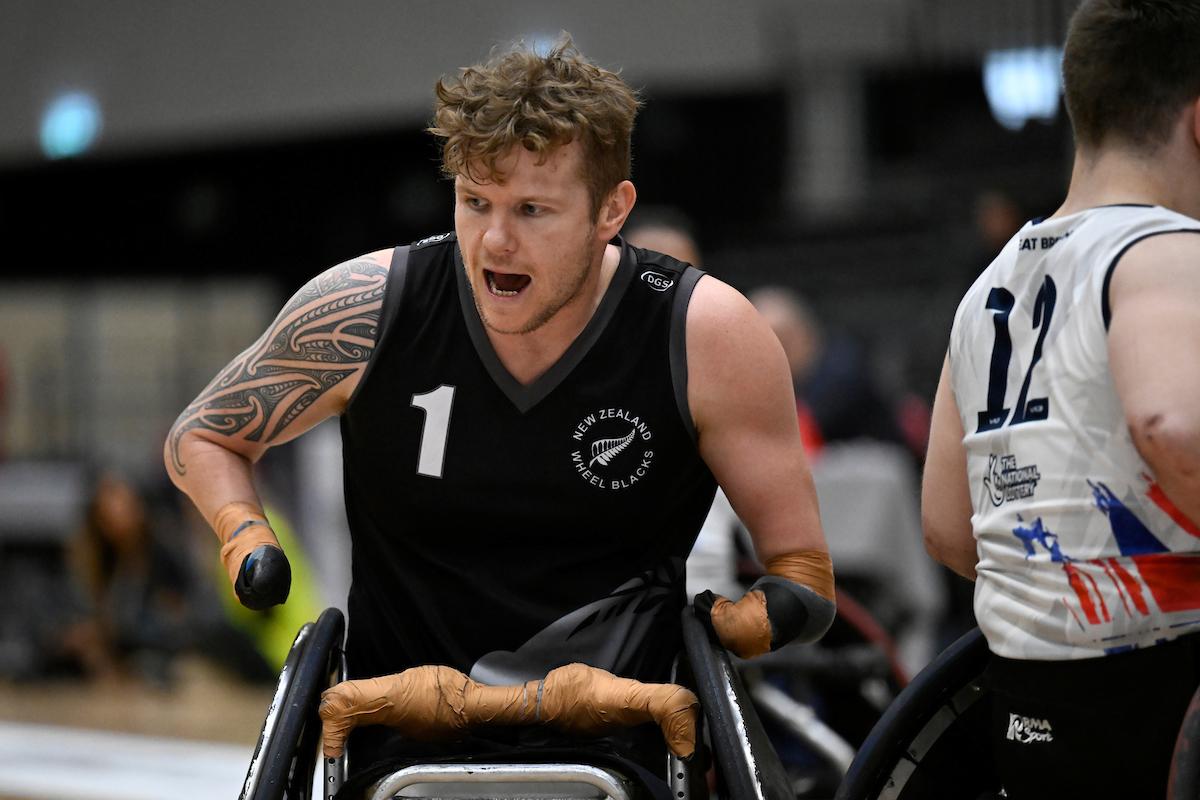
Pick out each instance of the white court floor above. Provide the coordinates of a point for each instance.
(45, 762)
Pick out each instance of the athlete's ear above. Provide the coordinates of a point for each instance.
(615, 210)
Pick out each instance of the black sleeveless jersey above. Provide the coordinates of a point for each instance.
(506, 529)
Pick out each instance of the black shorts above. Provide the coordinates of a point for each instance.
(1095, 728)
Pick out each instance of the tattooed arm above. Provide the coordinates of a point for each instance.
(301, 371)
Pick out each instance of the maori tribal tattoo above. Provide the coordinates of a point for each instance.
(324, 334)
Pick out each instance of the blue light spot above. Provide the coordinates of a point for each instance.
(1023, 84)
(541, 43)
(70, 125)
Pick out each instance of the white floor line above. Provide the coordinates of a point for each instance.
(52, 763)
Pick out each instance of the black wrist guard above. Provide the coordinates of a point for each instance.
(264, 579)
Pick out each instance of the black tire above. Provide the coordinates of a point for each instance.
(931, 741)
(285, 756)
(747, 765)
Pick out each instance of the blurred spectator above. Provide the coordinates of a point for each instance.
(837, 397)
(664, 230)
(133, 589)
(864, 473)
(997, 218)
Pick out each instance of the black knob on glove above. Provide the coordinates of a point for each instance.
(264, 579)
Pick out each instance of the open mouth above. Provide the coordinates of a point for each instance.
(505, 284)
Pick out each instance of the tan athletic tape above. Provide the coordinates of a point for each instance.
(434, 703)
(811, 568)
(241, 527)
(582, 699)
(743, 626)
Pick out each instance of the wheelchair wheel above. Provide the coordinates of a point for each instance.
(285, 757)
(932, 740)
(748, 768)
(1184, 780)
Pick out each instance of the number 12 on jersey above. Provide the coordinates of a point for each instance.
(1000, 302)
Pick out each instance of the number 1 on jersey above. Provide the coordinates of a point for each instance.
(436, 405)
(1001, 302)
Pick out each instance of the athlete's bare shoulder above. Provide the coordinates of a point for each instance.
(302, 370)
(734, 359)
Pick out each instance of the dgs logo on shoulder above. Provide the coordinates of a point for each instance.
(437, 237)
(657, 281)
(613, 448)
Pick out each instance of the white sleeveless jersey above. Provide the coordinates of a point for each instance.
(1080, 552)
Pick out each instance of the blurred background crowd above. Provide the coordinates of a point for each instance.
(171, 172)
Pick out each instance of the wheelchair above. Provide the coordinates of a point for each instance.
(284, 759)
(931, 742)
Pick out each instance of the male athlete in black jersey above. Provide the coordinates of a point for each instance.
(535, 415)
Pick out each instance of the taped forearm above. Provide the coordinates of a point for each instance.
(258, 570)
(241, 527)
(793, 602)
(435, 702)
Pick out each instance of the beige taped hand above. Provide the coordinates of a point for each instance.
(436, 703)
(743, 627)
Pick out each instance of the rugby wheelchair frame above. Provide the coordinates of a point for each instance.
(929, 743)
(284, 759)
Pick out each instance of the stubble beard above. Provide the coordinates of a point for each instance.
(566, 293)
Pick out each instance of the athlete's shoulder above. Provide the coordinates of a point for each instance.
(653, 261)
(369, 270)
(447, 239)
(721, 319)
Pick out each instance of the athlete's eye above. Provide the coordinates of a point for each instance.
(475, 203)
(531, 210)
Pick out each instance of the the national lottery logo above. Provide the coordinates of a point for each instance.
(613, 448)
(1006, 480)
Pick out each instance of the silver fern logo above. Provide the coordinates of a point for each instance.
(613, 448)
(605, 450)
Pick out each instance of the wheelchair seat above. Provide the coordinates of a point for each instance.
(746, 765)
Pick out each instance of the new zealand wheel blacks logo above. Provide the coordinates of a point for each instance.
(613, 448)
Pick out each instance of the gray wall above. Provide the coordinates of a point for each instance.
(170, 73)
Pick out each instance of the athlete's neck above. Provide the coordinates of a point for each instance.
(527, 356)
(1115, 175)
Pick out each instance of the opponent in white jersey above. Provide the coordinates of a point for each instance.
(1081, 553)
(1063, 472)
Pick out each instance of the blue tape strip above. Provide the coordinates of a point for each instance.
(243, 527)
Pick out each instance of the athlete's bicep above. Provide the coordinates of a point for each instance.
(301, 371)
(1154, 355)
(741, 399)
(945, 492)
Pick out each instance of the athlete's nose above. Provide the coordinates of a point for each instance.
(498, 238)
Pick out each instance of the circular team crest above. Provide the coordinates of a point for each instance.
(613, 448)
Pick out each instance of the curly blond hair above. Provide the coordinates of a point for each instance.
(540, 102)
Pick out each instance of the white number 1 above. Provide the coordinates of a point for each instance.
(436, 405)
